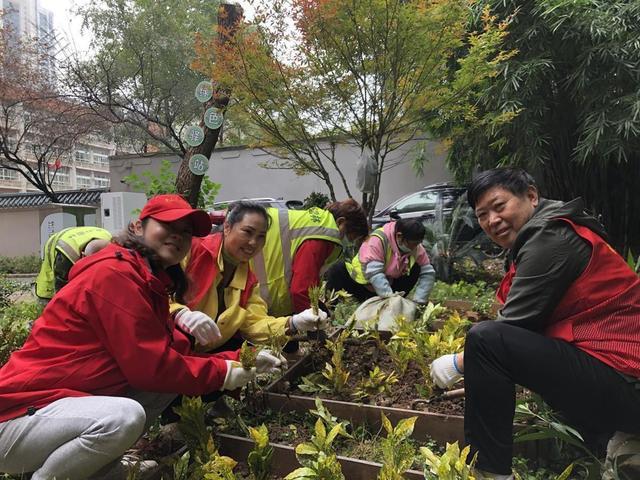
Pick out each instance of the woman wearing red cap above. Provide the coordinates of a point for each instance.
(104, 358)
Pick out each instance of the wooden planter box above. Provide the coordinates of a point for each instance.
(440, 427)
(284, 459)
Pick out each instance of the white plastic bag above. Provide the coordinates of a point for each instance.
(367, 171)
(385, 311)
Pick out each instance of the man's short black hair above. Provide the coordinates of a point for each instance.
(514, 179)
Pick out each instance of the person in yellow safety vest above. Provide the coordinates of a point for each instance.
(300, 245)
(224, 305)
(391, 260)
(62, 250)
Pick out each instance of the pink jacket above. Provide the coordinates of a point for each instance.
(373, 250)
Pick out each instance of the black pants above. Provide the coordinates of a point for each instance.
(591, 396)
(338, 278)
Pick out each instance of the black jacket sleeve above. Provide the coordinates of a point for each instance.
(550, 260)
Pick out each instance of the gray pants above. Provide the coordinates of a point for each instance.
(73, 438)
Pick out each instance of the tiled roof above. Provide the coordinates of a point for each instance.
(36, 199)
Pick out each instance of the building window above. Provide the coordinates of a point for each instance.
(6, 174)
(101, 159)
(62, 178)
(83, 181)
(81, 156)
(101, 181)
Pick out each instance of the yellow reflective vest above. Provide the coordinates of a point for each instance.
(70, 242)
(288, 229)
(355, 267)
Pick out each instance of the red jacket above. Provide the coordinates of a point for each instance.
(600, 312)
(202, 270)
(108, 330)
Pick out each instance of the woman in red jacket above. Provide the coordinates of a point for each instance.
(104, 358)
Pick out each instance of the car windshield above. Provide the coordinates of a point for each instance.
(425, 200)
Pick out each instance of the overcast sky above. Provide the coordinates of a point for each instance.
(70, 26)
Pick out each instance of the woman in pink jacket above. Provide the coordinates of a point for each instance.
(391, 260)
(105, 358)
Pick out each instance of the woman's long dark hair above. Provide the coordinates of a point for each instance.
(128, 239)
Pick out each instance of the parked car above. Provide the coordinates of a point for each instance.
(219, 210)
(422, 204)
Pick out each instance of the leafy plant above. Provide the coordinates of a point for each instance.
(248, 355)
(208, 463)
(20, 264)
(335, 372)
(315, 199)
(15, 324)
(164, 181)
(318, 458)
(7, 288)
(193, 426)
(633, 262)
(443, 239)
(323, 413)
(259, 459)
(397, 452)
(451, 465)
(378, 382)
(546, 425)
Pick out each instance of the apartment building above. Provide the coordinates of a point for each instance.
(87, 165)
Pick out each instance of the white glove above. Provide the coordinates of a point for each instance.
(237, 376)
(444, 372)
(267, 362)
(198, 324)
(306, 320)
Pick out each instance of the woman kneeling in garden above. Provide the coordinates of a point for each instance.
(225, 306)
(391, 260)
(105, 358)
(567, 330)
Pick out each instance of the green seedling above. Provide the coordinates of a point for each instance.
(397, 451)
(377, 383)
(248, 355)
(451, 465)
(207, 462)
(259, 459)
(318, 457)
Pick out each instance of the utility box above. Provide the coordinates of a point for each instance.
(117, 209)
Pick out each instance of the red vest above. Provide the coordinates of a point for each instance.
(600, 312)
(202, 270)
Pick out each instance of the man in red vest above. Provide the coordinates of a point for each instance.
(568, 329)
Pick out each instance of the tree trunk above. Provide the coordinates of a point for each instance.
(187, 183)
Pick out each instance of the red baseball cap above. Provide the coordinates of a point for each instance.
(169, 208)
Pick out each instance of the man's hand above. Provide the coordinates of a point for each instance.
(198, 324)
(306, 321)
(237, 376)
(445, 371)
(267, 362)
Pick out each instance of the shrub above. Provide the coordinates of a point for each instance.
(7, 288)
(315, 199)
(15, 323)
(21, 264)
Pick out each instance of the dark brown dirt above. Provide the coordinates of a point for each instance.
(359, 359)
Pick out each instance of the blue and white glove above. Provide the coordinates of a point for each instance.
(445, 370)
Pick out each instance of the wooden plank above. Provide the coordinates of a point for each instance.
(284, 459)
(442, 428)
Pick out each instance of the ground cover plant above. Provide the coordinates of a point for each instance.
(394, 371)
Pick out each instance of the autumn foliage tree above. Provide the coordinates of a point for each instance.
(39, 125)
(362, 72)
